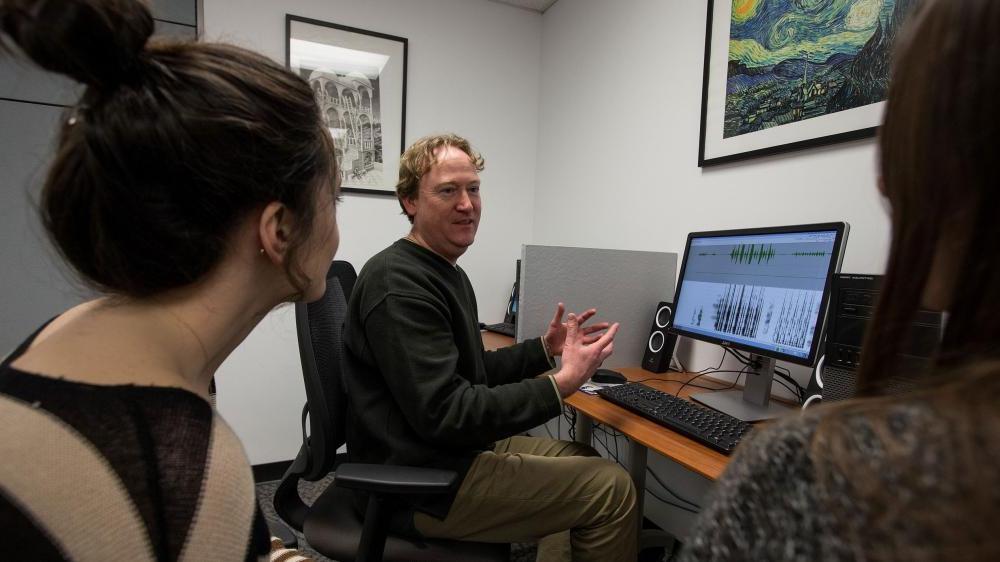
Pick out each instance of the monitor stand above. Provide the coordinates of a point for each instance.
(753, 403)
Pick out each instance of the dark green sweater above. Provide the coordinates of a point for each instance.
(422, 391)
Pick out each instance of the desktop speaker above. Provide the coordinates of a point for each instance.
(660, 345)
(814, 390)
(830, 382)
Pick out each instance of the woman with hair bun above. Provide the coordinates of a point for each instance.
(194, 187)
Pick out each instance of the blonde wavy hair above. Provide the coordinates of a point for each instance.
(420, 156)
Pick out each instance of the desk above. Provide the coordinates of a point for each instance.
(642, 433)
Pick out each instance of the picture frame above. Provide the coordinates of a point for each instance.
(779, 77)
(359, 79)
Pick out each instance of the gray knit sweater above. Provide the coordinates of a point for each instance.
(891, 484)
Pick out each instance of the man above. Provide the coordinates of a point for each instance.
(423, 392)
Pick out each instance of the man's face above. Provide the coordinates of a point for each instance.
(447, 207)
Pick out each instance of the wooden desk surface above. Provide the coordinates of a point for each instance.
(685, 451)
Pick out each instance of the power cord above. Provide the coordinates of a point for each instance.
(782, 373)
(690, 381)
(687, 506)
(671, 492)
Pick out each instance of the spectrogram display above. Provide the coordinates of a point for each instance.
(764, 291)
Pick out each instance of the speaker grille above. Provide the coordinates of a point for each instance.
(838, 384)
(663, 315)
(656, 340)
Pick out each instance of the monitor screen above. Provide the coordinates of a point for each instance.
(762, 290)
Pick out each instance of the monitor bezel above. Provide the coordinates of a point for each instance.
(841, 228)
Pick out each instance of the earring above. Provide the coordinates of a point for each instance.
(262, 251)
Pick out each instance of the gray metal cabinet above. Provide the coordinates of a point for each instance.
(34, 284)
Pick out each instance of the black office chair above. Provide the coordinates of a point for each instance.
(331, 525)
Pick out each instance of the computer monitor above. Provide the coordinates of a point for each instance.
(760, 290)
(510, 315)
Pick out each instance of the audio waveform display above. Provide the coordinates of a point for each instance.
(738, 310)
(796, 317)
(747, 254)
(759, 253)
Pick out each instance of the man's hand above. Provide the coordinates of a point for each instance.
(581, 359)
(555, 336)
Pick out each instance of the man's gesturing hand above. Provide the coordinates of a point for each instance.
(555, 336)
(580, 358)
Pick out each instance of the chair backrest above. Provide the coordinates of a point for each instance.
(320, 326)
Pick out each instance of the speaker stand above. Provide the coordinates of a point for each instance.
(753, 403)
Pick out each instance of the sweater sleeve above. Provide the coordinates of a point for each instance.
(26, 539)
(764, 507)
(517, 362)
(441, 405)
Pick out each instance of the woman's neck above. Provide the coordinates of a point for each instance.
(178, 339)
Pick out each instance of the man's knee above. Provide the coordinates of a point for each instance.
(622, 486)
(614, 487)
(578, 449)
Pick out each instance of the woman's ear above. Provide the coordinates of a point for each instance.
(275, 229)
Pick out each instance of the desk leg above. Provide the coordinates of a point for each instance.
(648, 538)
(584, 428)
(637, 453)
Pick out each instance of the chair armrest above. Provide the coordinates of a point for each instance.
(389, 479)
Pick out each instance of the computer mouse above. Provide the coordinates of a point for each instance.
(607, 376)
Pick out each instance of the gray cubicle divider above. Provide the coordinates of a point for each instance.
(36, 285)
(624, 285)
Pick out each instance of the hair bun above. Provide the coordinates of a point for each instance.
(96, 42)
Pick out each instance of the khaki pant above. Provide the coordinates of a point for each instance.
(531, 488)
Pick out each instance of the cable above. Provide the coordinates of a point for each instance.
(669, 491)
(670, 503)
(596, 437)
(680, 366)
(657, 379)
(781, 372)
(599, 428)
(559, 426)
(692, 379)
(683, 369)
(717, 367)
(740, 356)
(570, 415)
(790, 389)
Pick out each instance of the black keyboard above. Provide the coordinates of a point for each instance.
(505, 328)
(719, 431)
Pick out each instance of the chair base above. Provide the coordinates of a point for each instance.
(280, 530)
(333, 529)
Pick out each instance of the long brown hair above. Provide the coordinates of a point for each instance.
(914, 476)
(171, 144)
(942, 180)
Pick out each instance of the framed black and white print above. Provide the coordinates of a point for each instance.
(359, 79)
(784, 75)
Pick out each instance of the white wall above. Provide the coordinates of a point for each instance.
(618, 148)
(474, 69)
(618, 144)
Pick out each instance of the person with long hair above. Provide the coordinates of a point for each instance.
(194, 188)
(912, 476)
